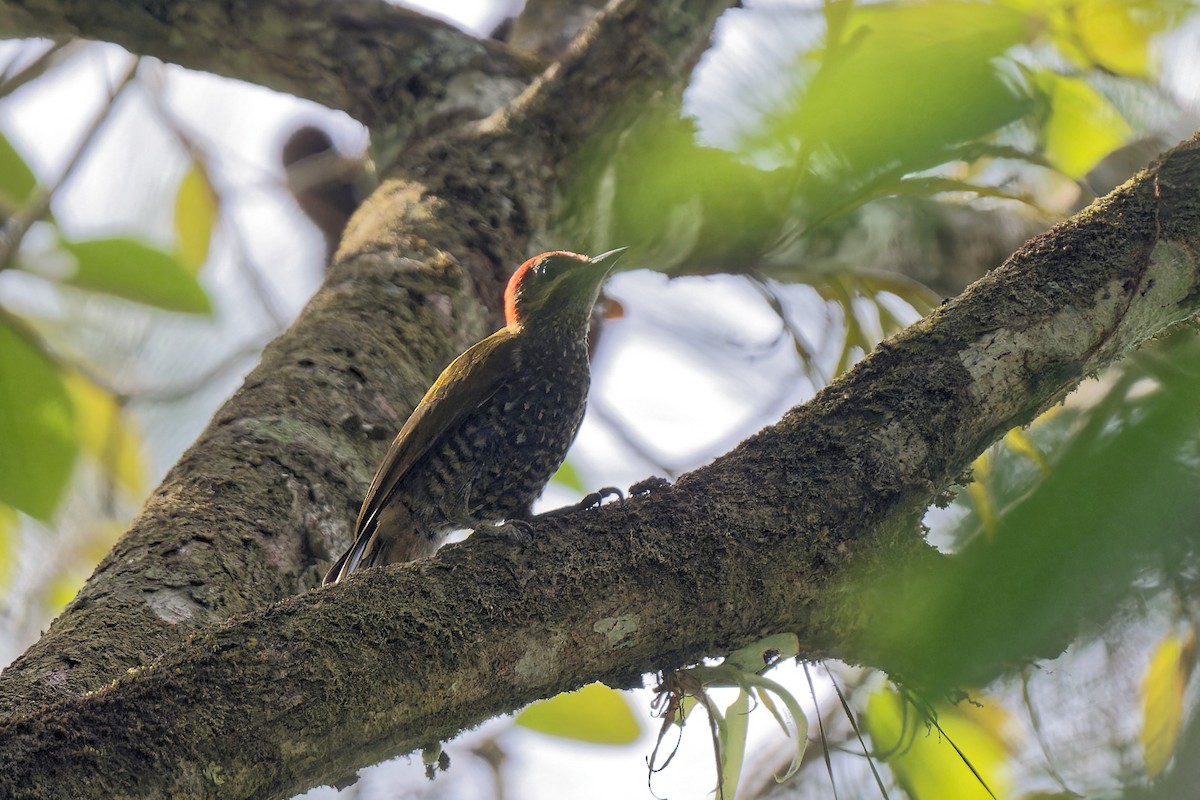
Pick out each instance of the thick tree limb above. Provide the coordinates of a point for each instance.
(323, 683)
(382, 64)
(274, 482)
(754, 543)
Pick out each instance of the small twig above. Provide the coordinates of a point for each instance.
(1035, 722)
(189, 142)
(857, 733)
(803, 348)
(18, 224)
(821, 727)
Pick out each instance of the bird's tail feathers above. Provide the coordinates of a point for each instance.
(350, 560)
(391, 538)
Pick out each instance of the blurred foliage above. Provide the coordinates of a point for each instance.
(196, 211)
(570, 478)
(994, 104)
(1079, 126)
(1113, 35)
(16, 179)
(1016, 441)
(682, 691)
(594, 713)
(106, 435)
(8, 544)
(897, 88)
(1118, 506)
(921, 107)
(1006, 107)
(37, 425)
(1163, 708)
(55, 406)
(948, 751)
(51, 408)
(135, 271)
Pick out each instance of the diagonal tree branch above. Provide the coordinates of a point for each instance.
(757, 542)
(384, 65)
(274, 482)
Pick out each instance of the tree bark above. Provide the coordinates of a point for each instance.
(320, 684)
(382, 64)
(298, 690)
(271, 487)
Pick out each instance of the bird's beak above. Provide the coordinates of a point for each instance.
(609, 260)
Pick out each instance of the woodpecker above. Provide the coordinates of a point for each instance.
(496, 424)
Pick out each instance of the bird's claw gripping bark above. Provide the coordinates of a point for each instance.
(514, 530)
(592, 500)
(648, 485)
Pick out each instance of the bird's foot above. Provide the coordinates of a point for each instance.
(648, 485)
(592, 500)
(515, 530)
(596, 498)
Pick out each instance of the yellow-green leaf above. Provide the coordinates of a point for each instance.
(568, 476)
(1019, 442)
(1163, 688)
(1081, 126)
(16, 179)
(106, 434)
(37, 428)
(754, 657)
(981, 498)
(8, 544)
(732, 742)
(195, 217)
(926, 73)
(136, 271)
(595, 714)
(1116, 34)
(924, 761)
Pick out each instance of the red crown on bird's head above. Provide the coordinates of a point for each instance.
(511, 317)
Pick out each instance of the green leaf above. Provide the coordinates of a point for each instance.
(904, 83)
(1081, 126)
(195, 217)
(594, 714)
(136, 271)
(1164, 685)
(37, 428)
(926, 762)
(1119, 501)
(732, 744)
(765, 685)
(8, 544)
(567, 476)
(17, 182)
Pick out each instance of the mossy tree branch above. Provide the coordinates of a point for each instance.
(757, 542)
(382, 64)
(302, 690)
(271, 487)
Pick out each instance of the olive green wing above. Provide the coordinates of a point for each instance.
(470, 381)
